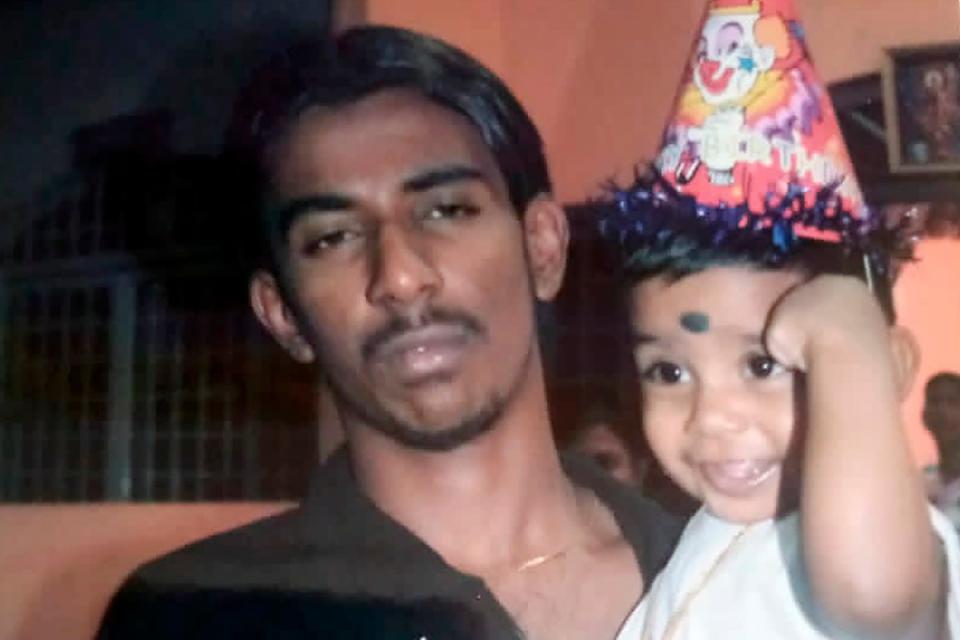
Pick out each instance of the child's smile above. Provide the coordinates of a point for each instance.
(719, 413)
(738, 477)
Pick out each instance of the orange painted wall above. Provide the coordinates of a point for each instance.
(928, 300)
(59, 565)
(582, 68)
(599, 76)
(847, 37)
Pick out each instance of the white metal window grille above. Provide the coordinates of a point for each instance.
(109, 389)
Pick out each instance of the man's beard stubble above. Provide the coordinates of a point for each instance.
(422, 437)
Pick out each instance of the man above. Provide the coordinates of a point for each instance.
(411, 232)
(941, 416)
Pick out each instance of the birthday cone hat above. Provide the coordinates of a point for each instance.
(752, 151)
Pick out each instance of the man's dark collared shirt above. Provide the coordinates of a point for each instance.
(338, 567)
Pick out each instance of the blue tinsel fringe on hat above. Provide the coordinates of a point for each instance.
(651, 215)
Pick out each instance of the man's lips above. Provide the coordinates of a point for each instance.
(738, 477)
(712, 81)
(424, 352)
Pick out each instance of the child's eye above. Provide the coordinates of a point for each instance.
(663, 372)
(763, 366)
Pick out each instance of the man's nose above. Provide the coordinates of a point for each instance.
(402, 270)
(717, 409)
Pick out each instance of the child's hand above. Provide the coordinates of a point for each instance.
(823, 315)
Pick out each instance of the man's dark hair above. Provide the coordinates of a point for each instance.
(337, 71)
(940, 403)
(944, 383)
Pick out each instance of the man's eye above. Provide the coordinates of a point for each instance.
(763, 366)
(321, 242)
(450, 211)
(665, 373)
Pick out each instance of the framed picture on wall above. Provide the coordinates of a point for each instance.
(921, 94)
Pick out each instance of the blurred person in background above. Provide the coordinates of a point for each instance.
(941, 416)
(603, 432)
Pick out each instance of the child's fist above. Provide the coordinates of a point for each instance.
(822, 315)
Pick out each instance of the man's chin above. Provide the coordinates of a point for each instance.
(437, 432)
(439, 439)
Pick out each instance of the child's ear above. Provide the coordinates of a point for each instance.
(906, 358)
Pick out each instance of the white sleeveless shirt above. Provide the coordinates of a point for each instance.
(750, 583)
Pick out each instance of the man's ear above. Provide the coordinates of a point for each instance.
(906, 358)
(547, 235)
(277, 318)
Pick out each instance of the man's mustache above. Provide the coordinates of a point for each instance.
(396, 326)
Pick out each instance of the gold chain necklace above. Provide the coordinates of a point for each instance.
(536, 561)
(677, 617)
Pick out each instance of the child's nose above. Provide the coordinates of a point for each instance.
(717, 410)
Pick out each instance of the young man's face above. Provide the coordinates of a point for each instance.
(941, 414)
(719, 414)
(407, 268)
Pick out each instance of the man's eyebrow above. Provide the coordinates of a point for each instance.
(287, 212)
(441, 176)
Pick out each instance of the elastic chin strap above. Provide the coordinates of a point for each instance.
(869, 275)
(880, 282)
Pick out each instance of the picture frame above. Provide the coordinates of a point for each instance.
(921, 95)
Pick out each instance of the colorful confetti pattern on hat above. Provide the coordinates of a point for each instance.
(752, 153)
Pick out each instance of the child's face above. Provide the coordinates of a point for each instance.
(718, 413)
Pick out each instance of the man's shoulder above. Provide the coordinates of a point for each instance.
(264, 552)
(286, 576)
(283, 576)
(174, 592)
(197, 592)
(239, 554)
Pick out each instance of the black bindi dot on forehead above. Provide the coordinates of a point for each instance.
(695, 322)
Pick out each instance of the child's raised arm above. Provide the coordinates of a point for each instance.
(873, 560)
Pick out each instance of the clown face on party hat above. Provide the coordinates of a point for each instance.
(752, 157)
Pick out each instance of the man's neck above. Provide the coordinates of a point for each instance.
(493, 503)
(501, 508)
